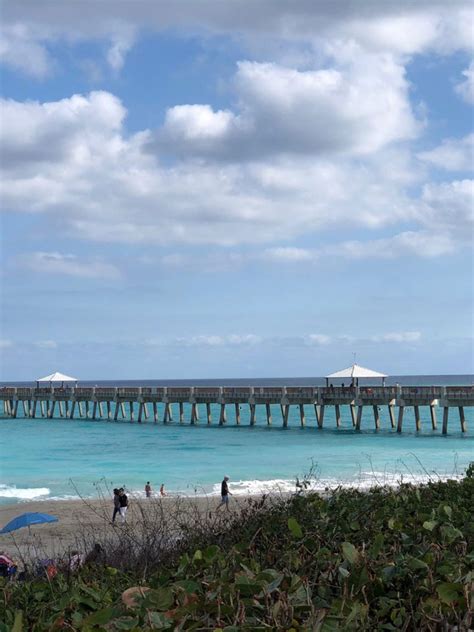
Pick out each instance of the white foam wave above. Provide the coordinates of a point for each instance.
(256, 487)
(7, 491)
(365, 481)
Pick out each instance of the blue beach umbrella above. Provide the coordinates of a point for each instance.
(26, 520)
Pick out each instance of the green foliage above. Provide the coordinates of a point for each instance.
(295, 528)
(387, 559)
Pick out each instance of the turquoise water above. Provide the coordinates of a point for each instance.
(44, 459)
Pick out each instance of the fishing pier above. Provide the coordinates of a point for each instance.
(197, 404)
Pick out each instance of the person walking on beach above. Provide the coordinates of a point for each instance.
(224, 494)
(123, 498)
(148, 490)
(116, 504)
(162, 490)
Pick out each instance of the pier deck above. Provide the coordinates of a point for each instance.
(134, 404)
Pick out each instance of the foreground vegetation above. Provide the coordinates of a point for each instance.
(388, 559)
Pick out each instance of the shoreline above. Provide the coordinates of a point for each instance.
(89, 519)
(241, 489)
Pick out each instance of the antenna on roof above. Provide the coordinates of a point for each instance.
(354, 357)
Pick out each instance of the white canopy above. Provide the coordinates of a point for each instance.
(356, 371)
(57, 377)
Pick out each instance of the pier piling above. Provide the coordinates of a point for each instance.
(391, 415)
(286, 412)
(353, 414)
(337, 412)
(302, 417)
(222, 418)
(434, 425)
(445, 419)
(376, 416)
(252, 414)
(321, 416)
(360, 410)
(401, 410)
(417, 418)
(269, 414)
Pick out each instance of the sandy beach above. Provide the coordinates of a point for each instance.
(80, 522)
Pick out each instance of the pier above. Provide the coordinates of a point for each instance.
(140, 404)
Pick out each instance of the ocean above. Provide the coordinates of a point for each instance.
(64, 459)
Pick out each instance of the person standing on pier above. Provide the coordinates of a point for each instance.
(148, 490)
(224, 494)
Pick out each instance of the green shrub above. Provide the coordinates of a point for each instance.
(387, 559)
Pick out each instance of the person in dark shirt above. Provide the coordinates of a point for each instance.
(123, 499)
(224, 493)
(116, 504)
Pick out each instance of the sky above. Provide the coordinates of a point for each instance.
(236, 189)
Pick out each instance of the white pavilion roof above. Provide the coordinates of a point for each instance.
(57, 377)
(356, 371)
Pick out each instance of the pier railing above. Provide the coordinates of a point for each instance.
(247, 391)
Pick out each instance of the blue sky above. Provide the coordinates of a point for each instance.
(236, 189)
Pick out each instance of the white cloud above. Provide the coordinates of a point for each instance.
(46, 344)
(409, 243)
(77, 131)
(71, 160)
(446, 218)
(400, 26)
(197, 123)
(22, 51)
(465, 88)
(121, 42)
(246, 339)
(410, 28)
(305, 340)
(319, 339)
(398, 336)
(357, 106)
(449, 209)
(288, 254)
(453, 154)
(67, 264)
(208, 340)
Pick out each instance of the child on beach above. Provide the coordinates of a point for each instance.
(148, 490)
(162, 490)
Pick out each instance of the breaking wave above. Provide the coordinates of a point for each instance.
(7, 491)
